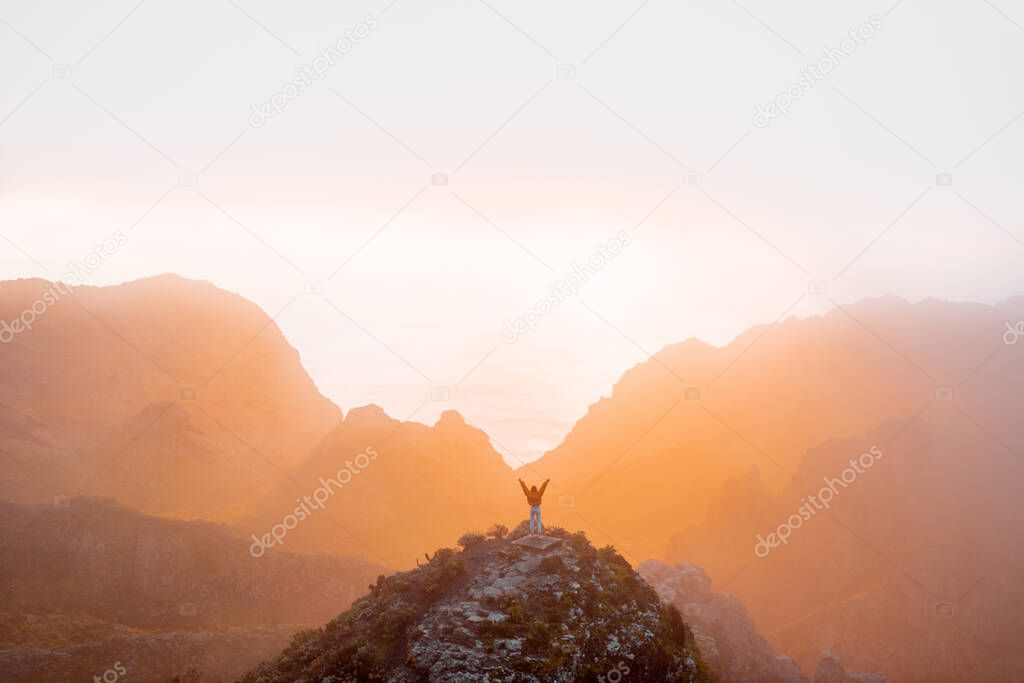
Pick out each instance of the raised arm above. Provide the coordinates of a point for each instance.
(523, 484)
(544, 486)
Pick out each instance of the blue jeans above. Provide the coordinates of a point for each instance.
(535, 519)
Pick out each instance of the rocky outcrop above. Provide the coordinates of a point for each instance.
(722, 624)
(727, 635)
(498, 611)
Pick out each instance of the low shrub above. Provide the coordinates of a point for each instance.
(470, 539)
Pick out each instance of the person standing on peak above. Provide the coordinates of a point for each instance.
(533, 497)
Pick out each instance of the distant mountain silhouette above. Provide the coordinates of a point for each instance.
(933, 384)
(179, 399)
(937, 521)
(424, 486)
(649, 459)
(163, 379)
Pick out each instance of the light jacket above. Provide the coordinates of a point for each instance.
(533, 496)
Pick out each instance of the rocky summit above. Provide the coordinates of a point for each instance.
(498, 610)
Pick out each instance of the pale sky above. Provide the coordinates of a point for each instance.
(104, 108)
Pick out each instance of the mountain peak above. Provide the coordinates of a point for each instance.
(451, 417)
(371, 411)
(497, 610)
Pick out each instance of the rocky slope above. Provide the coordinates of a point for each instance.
(497, 611)
(726, 634)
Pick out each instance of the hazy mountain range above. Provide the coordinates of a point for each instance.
(183, 401)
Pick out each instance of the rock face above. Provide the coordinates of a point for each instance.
(540, 543)
(727, 636)
(722, 625)
(501, 612)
